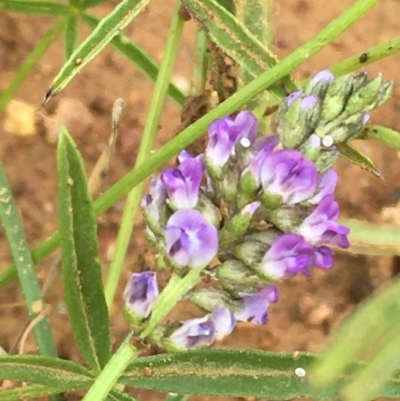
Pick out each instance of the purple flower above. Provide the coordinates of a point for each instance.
(190, 240)
(255, 305)
(323, 76)
(308, 102)
(224, 322)
(321, 226)
(293, 97)
(288, 174)
(202, 332)
(155, 200)
(326, 186)
(183, 183)
(289, 254)
(141, 292)
(226, 132)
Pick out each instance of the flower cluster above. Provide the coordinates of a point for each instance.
(253, 210)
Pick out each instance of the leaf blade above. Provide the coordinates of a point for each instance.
(233, 373)
(109, 26)
(70, 36)
(46, 371)
(43, 7)
(79, 248)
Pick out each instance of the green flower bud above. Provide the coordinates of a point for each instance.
(326, 159)
(210, 298)
(237, 226)
(384, 93)
(250, 252)
(288, 218)
(297, 118)
(336, 97)
(236, 278)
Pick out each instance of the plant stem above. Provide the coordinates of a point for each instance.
(191, 133)
(109, 376)
(150, 130)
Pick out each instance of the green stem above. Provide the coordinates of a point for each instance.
(174, 291)
(191, 133)
(109, 376)
(18, 244)
(150, 130)
(367, 57)
(29, 63)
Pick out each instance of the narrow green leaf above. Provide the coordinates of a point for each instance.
(83, 285)
(237, 41)
(19, 247)
(35, 392)
(44, 370)
(364, 333)
(44, 7)
(368, 56)
(234, 373)
(372, 239)
(382, 135)
(379, 370)
(138, 57)
(30, 62)
(70, 36)
(109, 26)
(358, 158)
(118, 395)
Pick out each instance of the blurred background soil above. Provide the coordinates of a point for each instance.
(309, 308)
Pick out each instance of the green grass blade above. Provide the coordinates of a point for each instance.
(194, 131)
(367, 57)
(372, 239)
(118, 395)
(371, 328)
(176, 397)
(44, 370)
(83, 286)
(36, 391)
(240, 373)
(109, 26)
(12, 224)
(237, 41)
(383, 135)
(70, 36)
(43, 7)
(30, 62)
(138, 57)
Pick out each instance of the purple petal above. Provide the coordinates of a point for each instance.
(141, 293)
(321, 226)
(289, 254)
(183, 183)
(225, 133)
(324, 76)
(224, 322)
(327, 186)
(190, 240)
(155, 200)
(255, 305)
(293, 97)
(194, 333)
(289, 174)
(308, 102)
(323, 257)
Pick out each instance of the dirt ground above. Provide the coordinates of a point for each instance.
(309, 308)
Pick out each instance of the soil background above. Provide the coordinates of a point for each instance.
(309, 309)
